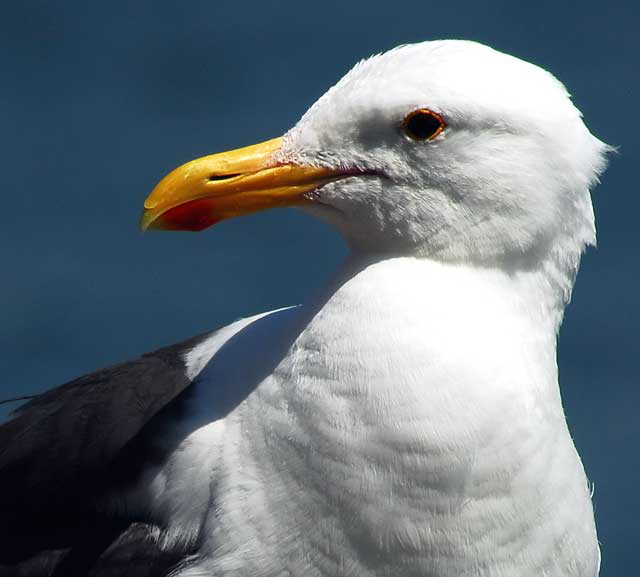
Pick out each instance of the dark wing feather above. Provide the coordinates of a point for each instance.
(59, 453)
(133, 552)
(137, 552)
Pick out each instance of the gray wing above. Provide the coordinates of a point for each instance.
(65, 449)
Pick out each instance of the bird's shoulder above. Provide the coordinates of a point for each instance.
(67, 448)
(77, 428)
(81, 425)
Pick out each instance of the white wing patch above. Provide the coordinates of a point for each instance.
(200, 355)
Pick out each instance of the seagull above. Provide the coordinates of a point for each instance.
(406, 419)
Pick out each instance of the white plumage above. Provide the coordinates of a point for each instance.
(406, 420)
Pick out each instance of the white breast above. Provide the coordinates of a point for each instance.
(408, 425)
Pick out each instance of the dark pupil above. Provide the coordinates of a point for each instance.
(423, 126)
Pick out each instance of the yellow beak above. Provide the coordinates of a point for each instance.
(213, 188)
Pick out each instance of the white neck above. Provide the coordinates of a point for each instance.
(472, 317)
(433, 387)
(412, 426)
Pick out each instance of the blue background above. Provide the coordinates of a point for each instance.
(99, 99)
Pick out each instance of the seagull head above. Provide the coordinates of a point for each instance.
(446, 149)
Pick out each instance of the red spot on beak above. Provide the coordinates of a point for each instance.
(193, 215)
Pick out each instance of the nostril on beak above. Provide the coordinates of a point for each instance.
(215, 177)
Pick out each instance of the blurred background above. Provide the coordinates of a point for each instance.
(98, 100)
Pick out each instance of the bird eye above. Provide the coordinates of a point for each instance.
(423, 124)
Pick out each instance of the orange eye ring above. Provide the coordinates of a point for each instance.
(423, 125)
